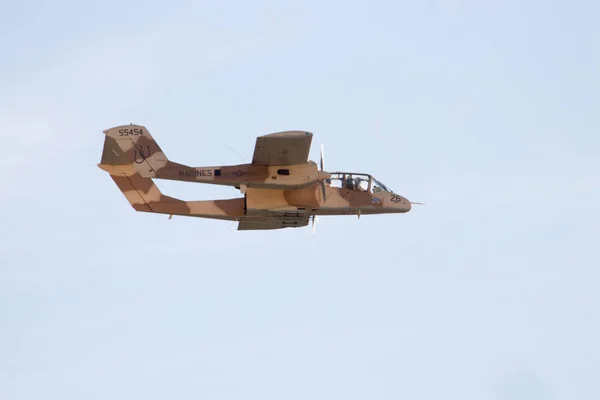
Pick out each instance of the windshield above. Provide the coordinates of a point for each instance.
(378, 187)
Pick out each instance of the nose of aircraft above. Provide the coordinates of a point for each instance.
(401, 203)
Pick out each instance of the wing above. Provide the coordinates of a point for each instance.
(282, 148)
(254, 223)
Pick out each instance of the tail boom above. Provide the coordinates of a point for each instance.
(143, 194)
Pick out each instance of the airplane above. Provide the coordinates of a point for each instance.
(281, 188)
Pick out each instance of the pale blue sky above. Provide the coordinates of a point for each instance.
(486, 111)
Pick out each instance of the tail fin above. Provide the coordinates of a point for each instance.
(142, 193)
(137, 147)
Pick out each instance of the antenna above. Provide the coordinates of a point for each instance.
(232, 149)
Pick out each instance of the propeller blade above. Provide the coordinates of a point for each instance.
(322, 159)
(324, 192)
(315, 219)
(414, 202)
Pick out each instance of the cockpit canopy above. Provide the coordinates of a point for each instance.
(357, 182)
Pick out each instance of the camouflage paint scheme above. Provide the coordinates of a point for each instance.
(281, 187)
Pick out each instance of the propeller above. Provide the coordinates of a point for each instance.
(323, 176)
(322, 158)
(414, 202)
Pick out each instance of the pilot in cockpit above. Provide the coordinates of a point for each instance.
(360, 185)
(349, 183)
